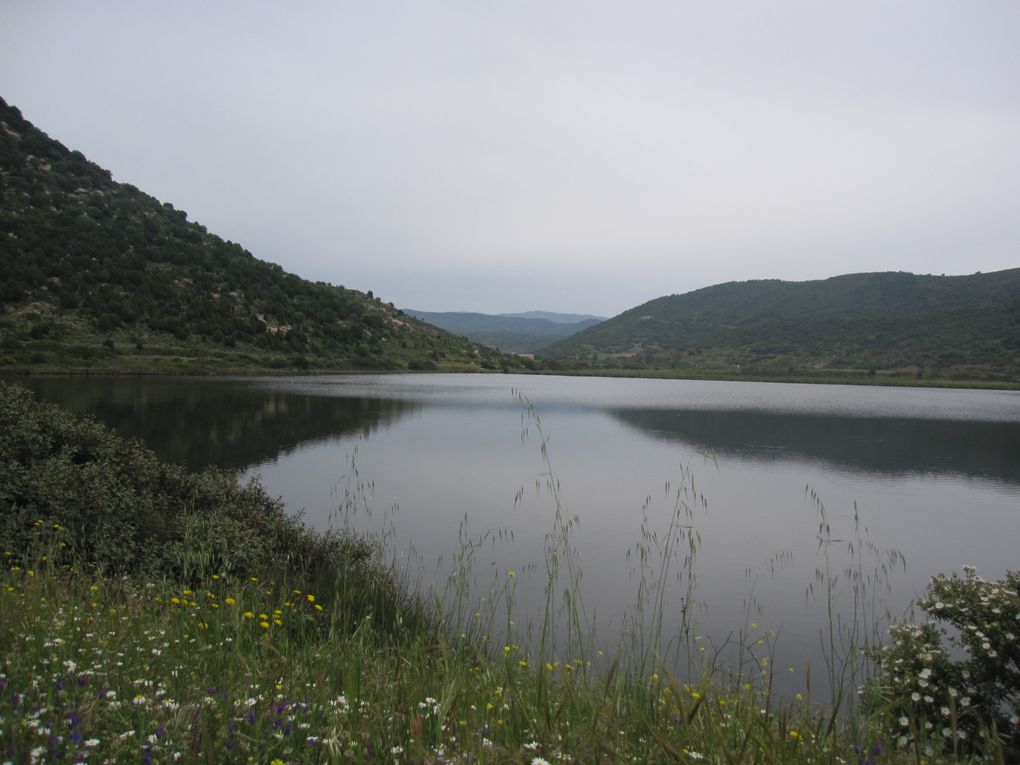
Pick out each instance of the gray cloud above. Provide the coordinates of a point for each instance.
(573, 156)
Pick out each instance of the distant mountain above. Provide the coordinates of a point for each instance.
(518, 333)
(967, 326)
(559, 318)
(97, 275)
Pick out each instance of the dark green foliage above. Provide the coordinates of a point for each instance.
(109, 259)
(966, 326)
(126, 512)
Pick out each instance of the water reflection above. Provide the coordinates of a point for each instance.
(229, 423)
(887, 446)
(239, 422)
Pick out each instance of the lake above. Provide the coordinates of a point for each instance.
(727, 501)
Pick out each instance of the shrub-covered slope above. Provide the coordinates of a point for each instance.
(947, 325)
(99, 275)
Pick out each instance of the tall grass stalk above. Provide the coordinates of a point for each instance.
(665, 560)
(560, 555)
(851, 631)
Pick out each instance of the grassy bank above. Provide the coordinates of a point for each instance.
(150, 614)
(821, 378)
(57, 344)
(177, 361)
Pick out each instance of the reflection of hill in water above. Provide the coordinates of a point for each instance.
(228, 423)
(869, 445)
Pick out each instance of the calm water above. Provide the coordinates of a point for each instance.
(932, 474)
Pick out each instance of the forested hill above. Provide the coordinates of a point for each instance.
(949, 326)
(98, 275)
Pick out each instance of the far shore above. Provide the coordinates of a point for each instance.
(821, 378)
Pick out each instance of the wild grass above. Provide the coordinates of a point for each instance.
(109, 669)
(319, 654)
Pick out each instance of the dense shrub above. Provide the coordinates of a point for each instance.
(126, 512)
(956, 678)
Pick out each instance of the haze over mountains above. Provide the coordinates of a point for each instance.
(519, 333)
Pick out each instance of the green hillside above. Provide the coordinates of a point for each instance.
(99, 276)
(898, 323)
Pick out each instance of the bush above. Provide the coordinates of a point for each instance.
(960, 685)
(126, 512)
(422, 365)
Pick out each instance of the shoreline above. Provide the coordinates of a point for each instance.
(894, 381)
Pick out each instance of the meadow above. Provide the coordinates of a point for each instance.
(155, 615)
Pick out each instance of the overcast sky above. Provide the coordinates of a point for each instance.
(568, 156)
